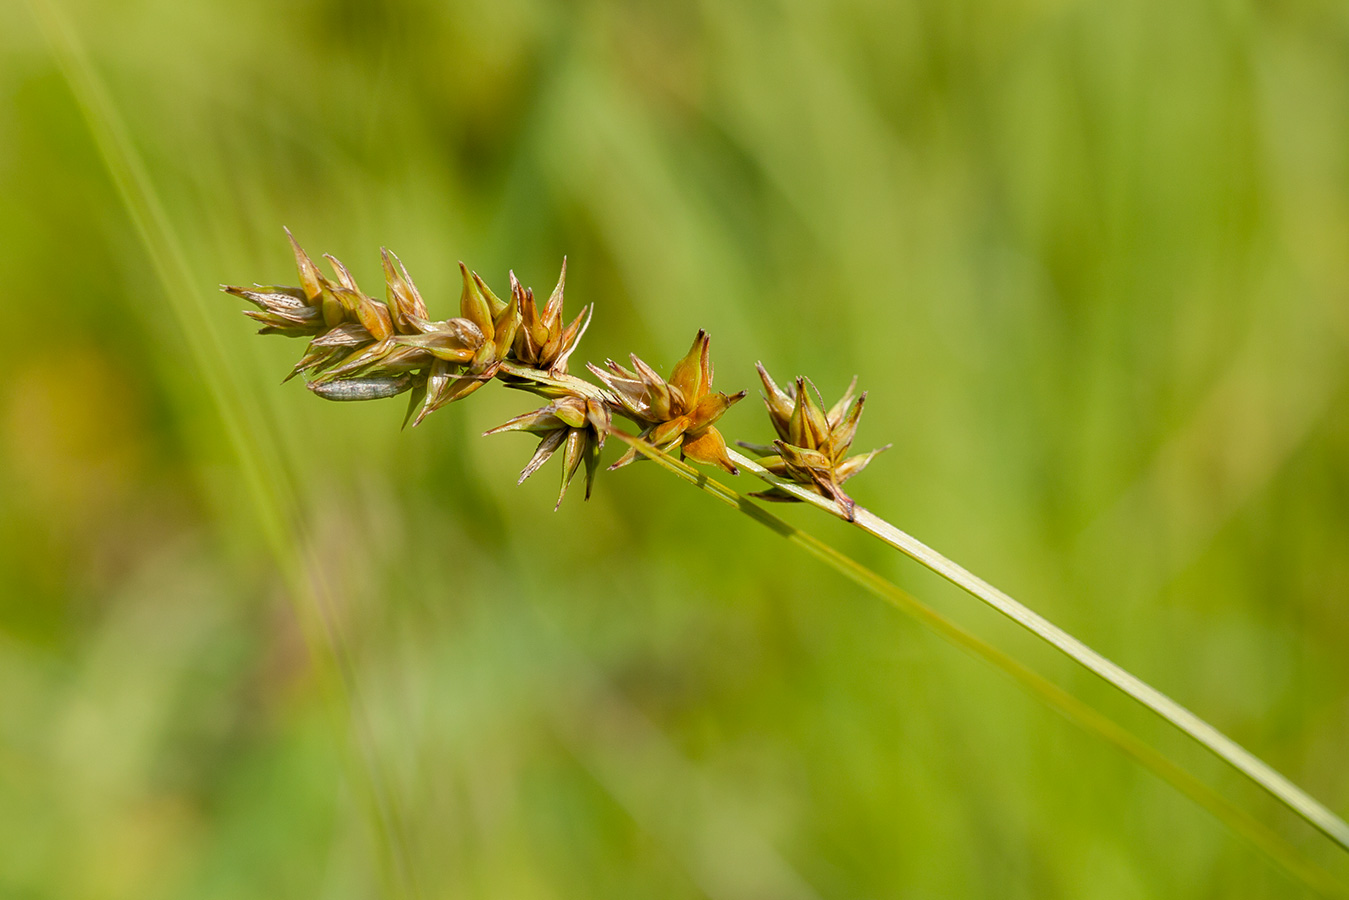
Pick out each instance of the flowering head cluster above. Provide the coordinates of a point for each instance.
(362, 348)
(812, 445)
(677, 412)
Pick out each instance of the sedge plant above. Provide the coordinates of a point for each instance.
(364, 348)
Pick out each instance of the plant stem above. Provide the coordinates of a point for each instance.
(1296, 799)
(1069, 706)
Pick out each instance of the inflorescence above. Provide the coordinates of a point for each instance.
(361, 348)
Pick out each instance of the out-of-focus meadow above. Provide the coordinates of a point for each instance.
(1091, 260)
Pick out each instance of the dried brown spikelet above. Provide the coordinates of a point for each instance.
(812, 445)
(578, 424)
(542, 342)
(363, 348)
(679, 411)
(489, 326)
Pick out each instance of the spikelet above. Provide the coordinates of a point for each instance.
(677, 412)
(812, 445)
(542, 341)
(577, 424)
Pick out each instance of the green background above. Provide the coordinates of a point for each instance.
(1091, 259)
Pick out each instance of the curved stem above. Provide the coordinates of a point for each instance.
(1065, 703)
(1296, 799)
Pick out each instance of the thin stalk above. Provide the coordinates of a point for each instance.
(1226, 749)
(1073, 709)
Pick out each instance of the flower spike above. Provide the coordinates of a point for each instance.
(578, 424)
(812, 445)
(677, 412)
(362, 348)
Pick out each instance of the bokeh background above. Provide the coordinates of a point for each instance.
(1091, 259)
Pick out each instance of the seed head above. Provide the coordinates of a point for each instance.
(577, 424)
(541, 341)
(678, 411)
(363, 348)
(812, 445)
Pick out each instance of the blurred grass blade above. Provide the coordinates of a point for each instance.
(1296, 799)
(1241, 822)
(259, 457)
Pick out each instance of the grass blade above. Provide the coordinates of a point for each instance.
(274, 501)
